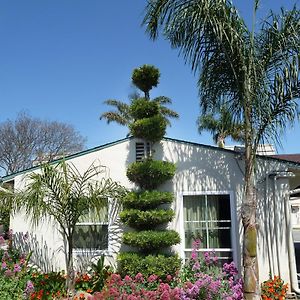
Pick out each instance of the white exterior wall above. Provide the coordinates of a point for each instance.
(45, 240)
(200, 169)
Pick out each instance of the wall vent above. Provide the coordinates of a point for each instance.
(142, 150)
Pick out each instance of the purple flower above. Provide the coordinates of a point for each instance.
(17, 268)
(230, 269)
(196, 266)
(4, 266)
(29, 289)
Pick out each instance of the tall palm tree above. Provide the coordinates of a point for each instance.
(254, 73)
(220, 126)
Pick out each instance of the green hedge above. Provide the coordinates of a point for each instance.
(150, 129)
(147, 199)
(140, 219)
(149, 174)
(142, 108)
(149, 240)
(130, 263)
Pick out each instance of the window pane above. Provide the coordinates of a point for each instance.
(91, 237)
(94, 216)
(208, 218)
(195, 219)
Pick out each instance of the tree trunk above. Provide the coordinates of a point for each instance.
(70, 281)
(221, 141)
(250, 264)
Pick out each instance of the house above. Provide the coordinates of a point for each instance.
(208, 191)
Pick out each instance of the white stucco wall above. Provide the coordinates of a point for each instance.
(200, 169)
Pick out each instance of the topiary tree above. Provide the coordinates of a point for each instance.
(146, 210)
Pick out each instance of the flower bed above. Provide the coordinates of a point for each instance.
(199, 278)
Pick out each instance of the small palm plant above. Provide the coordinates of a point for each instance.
(64, 194)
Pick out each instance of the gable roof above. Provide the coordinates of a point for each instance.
(107, 145)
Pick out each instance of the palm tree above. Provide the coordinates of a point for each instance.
(64, 194)
(144, 78)
(220, 126)
(254, 73)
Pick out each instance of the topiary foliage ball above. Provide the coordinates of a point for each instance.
(150, 240)
(150, 129)
(142, 108)
(148, 219)
(146, 200)
(149, 174)
(145, 77)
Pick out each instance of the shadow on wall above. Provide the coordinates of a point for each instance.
(42, 257)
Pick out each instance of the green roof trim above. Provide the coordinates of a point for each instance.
(81, 153)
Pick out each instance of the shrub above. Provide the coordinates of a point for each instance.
(130, 263)
(150, 129)
(151, 239)
(142, 108)
(14, 275)
(146, 219)
(149, 174)
(147, 199)
(273, 288)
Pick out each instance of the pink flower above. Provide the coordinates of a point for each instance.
(152, 278)
(3, 266)
(17, 268)
(169, 278)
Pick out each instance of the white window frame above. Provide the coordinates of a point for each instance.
(233, 236)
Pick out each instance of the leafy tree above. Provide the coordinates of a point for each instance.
(254, 72)
(27, 140)
(145, 78)
(220, 125)
(147, 120)
(64, 194)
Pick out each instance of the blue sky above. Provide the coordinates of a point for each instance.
(60, 59)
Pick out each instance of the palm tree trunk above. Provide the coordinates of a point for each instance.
(70, 281)
(250, 264)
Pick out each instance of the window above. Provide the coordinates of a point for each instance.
(92, 235)
(141, 150)
(208, 218)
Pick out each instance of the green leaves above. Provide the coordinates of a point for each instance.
(149, 174)
(150, 129)
(254, 74)
(146, 219)
(145, 78)
(161, 265)
(147, 199)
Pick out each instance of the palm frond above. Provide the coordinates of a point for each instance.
(165, 111)
(121, 115)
